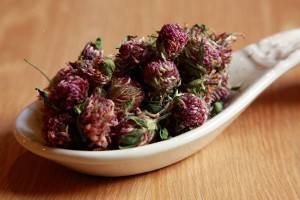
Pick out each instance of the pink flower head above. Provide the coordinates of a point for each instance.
(212, 55)
(62, 74)
(217, 88)
(134, 52)
(161, 75)
(224, 42)
(124, 127)
(55, 128)
(218, 94)
(219, 49)
(69, 92)
(136, 129)
(171, 40)
(205, 52)
(97, 119)
(92, 51)
(88, 70)
(125, 93)
(202, 52)
(190, 113)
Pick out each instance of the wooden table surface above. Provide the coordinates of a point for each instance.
(256, 157)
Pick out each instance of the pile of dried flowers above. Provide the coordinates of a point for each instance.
(151, 90)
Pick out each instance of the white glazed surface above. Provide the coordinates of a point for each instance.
(254, 68)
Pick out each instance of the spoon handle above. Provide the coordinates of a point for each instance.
(269, 51)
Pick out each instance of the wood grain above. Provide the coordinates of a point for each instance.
(257, 157)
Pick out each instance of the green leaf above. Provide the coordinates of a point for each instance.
(80, 108)
(236, 88)
(99, 91)
(129, 105)
(195, 66)
(131, 139)
(108, 67)
(195, 83)
(154, 108)
(197, 91)
(161, 49)
(44, 95)
(201, 53)
(98, 43)
(216, 108)
(164, 134)
(139, 121)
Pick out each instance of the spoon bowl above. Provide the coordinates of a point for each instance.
(253, 68)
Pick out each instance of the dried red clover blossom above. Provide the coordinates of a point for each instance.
(55, 128)
(171, 40)
(161, 75)
(90, 71)
(125, 93)
(134, 52)
(92, 51)
(206, 51)
(190, 112)
(97, 102)
(69, 92)
(136, 129)
(216, 87)
(97, 119)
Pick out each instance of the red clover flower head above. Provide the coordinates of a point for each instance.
(92, 51)
(125, 93)
(212, 55)
(218, 94)
(136, 129)
(69, 92)
(89, 71)
(206, 51)
(62, 74)
(217, 88)
(161, 75)
(202, 52)
(97, 119)
(171, 40)
(191, 112)
(123, 127)
(224, 42)
(55, 128)
(134, 52)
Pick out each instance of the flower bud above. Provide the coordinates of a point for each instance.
(189, 112)
(107, 67)
(97, 119)
(125, 93)
(92, 51)
(61, 74)
(205, 52)
(161, 75)
(69, 92)
(134, 52)
(224, 42)
(135, 130)
(218, 94)
(216, 87)
(171, 40)
(88, 70)
(55, 128)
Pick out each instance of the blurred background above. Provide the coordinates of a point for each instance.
(52, 33)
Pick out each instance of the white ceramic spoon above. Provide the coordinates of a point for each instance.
(254, 68)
